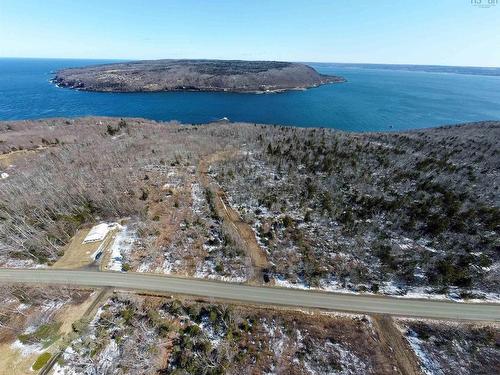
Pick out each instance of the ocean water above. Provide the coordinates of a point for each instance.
(372, 99)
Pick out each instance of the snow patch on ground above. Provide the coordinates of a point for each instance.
(276, 336)
(103, 364)
(208, 329)
(392, 290)
(63, 370)
(330, 287)
(107, 356)
(121, 246)
(53, 306)
(144, 267)
(21, 263)
(228, 279)
(170, 263)
(206, 270)
(47, 312)
(166, 267)
(27, 349)
(197, 198)
(351, 364)
(428, 366)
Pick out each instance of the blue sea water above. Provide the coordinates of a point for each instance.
(371, 99)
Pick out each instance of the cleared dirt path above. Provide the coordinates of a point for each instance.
(90, 311)
(228, 214)
(13, 156)
(395, 346)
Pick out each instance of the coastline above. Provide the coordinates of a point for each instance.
(205, 89)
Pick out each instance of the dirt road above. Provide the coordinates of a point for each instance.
(225, 212)
(394, 345)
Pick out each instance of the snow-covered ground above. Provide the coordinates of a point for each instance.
(392, 290)
(47, 312)
(428, 366)
(27, 349)
(206, 270)
(121, 246)
(21, 263)
(197, 198)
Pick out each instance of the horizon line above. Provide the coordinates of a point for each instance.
(295, 61)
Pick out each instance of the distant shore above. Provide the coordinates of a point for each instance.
(465, 70)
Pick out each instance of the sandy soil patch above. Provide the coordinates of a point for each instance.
(12, 362)
(78, 255)
(395, 346)
(10, 158)
(72, 313)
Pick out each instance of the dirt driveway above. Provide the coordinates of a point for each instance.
(256, 254)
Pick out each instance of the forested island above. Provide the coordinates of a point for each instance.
(194, 75)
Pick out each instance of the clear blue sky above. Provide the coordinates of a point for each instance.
(446, 32)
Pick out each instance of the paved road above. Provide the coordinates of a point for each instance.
(258, 295)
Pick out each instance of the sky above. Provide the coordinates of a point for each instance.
(441, 32)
